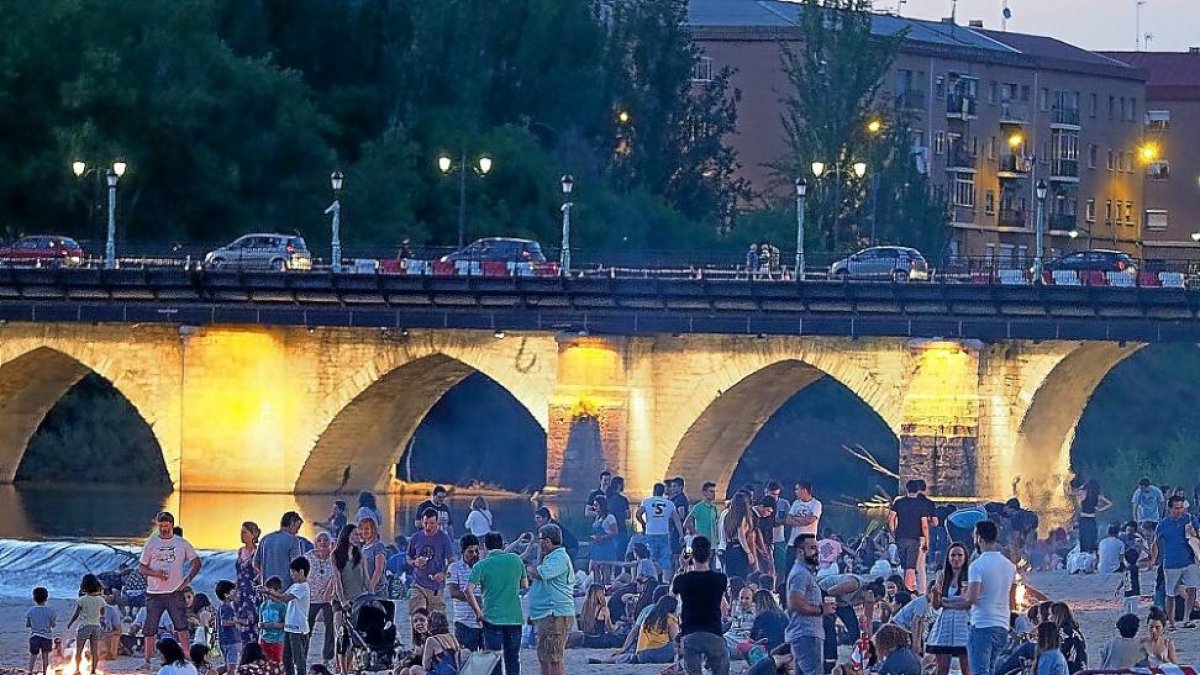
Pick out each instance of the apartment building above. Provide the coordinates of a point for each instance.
(994, 114)
(1170, 159)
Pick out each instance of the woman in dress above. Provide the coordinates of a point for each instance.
(1091, 502)
(948, 638)
(321, 584)
(1160, 649)
(247, 583)
(479, 520)
(740, 556)
(604, 540)
(350, 583)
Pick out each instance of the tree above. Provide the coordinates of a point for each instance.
(835, 113)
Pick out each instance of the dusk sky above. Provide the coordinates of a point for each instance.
(1092, 24)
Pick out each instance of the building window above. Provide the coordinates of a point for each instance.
(1127, 161)
(1025, 93)
(1111, 163)
(939, 142)
(1044, 100)
(1093, 153)
(992, 92)
(964, 190)
(1108, 212)
(1158, 120)
(939, 86)
(702, 70)
(918, 138)
(1093, 104)
(1156, 219)
(989, 203)
(991, 148)
(1090, 211)
(1008, 92)
(1160, 170)
(1112, 106)
(1128, 213)
(1133, 110)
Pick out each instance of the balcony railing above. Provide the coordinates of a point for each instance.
(1013, 164)
(1066, 116)
(961, 106)
(1064, 168)
(958, 157)
(1012, 218)
(1063, 221)
(913, 99)
(1013, 113)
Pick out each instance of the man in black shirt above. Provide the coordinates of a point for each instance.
(909, 522)
(618, 506)
(602, 491)
(682, 504)
(702, 592)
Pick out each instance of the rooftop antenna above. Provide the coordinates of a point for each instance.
(1137, 28)
(900, 7)
(954, 12)
(1146, 40)
(1005, 15)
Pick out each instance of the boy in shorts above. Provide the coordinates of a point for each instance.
(229, 637)
(41, 621)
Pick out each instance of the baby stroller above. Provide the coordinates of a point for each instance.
(368, 631)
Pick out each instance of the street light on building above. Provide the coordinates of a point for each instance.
(801, 191)
(335, 210)
(1039, 245)
(564, 254)
(483, 166)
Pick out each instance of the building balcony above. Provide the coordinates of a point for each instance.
(913, 99)
(960, 159)
(959, 107)
(1013, 166)
(1014, 114)
(1065, 170)
(1011, 218)
(1064, 222)
(1065, 118)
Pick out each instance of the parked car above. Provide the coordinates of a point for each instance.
(49, 250)
(1098, 260)
(897, 263)
(279, 252)
(500, 249)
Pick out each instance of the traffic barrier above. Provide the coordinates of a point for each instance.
(416, 267)
(520, 269)
(1148, 280)
(1171, 279)
(442, 268)
(468, 267)
(1065, 278)
(1121, 279)
(1013, 277)
(494, 268)
(1092, 278)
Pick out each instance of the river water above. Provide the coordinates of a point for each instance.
(53, 535)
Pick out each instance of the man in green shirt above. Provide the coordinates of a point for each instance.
(702, 519)
(551, 600)
(500, 576)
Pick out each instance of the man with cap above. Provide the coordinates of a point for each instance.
(162, 562)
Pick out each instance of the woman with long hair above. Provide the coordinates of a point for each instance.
(479, 520)
(599, 630)
(604, 540)
(255, 662)
(948, 637)
(740, 551)
(1048, 658)
(419, 622)
(1091, 501)
(175, 662)
(770, 623)
(656, 641)
(1070, 637)
(440, 646)
(1160, 649)
(349, 584)
(248, 599)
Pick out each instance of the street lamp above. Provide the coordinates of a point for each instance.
(335, 209)
(840, 172)
(112, 177)
(564, 253)
(483, 167)
(801, 191)
(1041, 226)
(1196, 236)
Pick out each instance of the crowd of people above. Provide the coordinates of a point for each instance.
(689, 585)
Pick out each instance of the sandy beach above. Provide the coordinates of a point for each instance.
(1091, 598)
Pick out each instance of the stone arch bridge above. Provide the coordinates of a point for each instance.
(305, 410)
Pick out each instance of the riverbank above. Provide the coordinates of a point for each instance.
(1091, 597)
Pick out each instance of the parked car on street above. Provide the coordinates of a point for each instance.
(896, 263)
(1096, 260)
(278, 252)
(499, 249)
(45, 250)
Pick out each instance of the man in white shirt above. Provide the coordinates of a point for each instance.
(161, 562)
(990, 585)
(467, 630)
(1111, 551)
(657, 514)
(804, 516)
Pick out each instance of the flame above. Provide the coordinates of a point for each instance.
(1019, 593)
(85, 664)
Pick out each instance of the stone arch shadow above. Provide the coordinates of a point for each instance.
(713, 445)
(35, 380)
(359, 448)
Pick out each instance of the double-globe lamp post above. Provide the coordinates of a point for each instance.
(335, 211)
(111, 178)
(1039, 232)
(564, 253)
(839, 173)
(483, 167)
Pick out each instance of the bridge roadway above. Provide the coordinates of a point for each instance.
(602, 306)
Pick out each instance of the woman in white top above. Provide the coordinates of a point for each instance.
(479, 521)
(175, 662)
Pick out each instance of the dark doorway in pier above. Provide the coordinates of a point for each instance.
(806, 439)
(94, 435)
(477, 433)
(1142, 420)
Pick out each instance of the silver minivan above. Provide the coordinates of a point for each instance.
(894, 263)
(278, 252)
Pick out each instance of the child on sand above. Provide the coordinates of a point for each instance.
(89, 610)
(41, 622)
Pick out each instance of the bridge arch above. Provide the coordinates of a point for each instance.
(34, 378)
(727, 411)
(1041, 464)
(372, 415)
